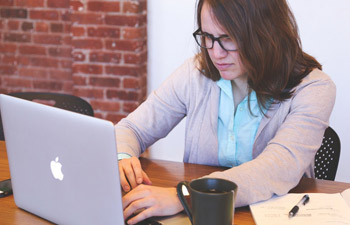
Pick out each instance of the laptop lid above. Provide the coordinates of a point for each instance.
(63, 165)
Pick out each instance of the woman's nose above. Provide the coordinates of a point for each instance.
(218, 51)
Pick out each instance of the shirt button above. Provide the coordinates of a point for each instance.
(241, 109)
(232, 137)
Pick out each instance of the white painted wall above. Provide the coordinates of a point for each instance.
(325, 32)
(170, 41)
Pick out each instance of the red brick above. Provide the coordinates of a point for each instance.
(131, 58)
(79, 79)
(41, 27)
(7, 48)
(125, 20)
(66, 15)
(13, 13)
(67, 40)
(67, 64)
(60, 74)
(17, 37)
(9, 60)
(67, 28)
(30, 3)
(61, 52)
(105, 105)
(44, 15)
(87, 43)
(134, 6)
(17, 82)
(104, 81)
(76, 5)
(87, 69)
(87, 18)
(125, 45)
(129, 107)
(103, 6)
(78, 56)
(67, 87)
(104, 32)
(123, 95)
(33, 72)
(13, 25)
(44, 62)
(105, 57)
(32, 50)
(134, 33)
(88, 92)
(7, 69)
(6, 3)
(24, 60)
(27, 26)
(78, 31)
(143, 80)
(47, 85)
(47, 39)
(58, 3)
(123, 70)
(131, 83)
(56, 27)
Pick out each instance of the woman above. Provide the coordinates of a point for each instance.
(254, 101)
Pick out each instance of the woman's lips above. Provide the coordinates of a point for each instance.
(223, 66)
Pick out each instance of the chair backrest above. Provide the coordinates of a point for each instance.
(327, 156)
(63, 101)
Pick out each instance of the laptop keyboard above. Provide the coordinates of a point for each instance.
(149, 221)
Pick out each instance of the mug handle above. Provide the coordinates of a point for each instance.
(183, 199)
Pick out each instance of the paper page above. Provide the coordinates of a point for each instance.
(322, 209)
(346, 196)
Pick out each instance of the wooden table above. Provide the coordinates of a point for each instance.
(162, 173)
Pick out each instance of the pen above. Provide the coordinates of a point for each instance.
(305, 199)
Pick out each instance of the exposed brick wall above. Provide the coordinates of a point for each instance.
(35, 46)
(93, 49)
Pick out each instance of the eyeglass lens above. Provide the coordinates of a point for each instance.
(207, 41)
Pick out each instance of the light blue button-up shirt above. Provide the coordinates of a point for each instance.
(236, 132)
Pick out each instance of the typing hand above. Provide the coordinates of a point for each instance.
(150, 201)
(131, 174)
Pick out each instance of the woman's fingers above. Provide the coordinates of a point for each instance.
(131, 174)
(136, 166)
(123, 181)
(151, 201)
(146, 179)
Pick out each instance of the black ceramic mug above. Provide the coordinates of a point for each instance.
(212, 201)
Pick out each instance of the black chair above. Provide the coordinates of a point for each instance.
(63, 101)
(327, 156)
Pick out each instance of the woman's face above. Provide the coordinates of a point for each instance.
(228, 63)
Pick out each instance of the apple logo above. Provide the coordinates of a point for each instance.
(56, 169)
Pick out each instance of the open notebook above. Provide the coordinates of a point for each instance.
(322, 209)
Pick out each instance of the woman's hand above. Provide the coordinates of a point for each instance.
(131, 173)
(156, 201)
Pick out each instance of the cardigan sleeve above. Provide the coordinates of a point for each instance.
(157, 116)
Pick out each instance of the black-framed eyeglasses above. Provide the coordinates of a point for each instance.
(206, 40)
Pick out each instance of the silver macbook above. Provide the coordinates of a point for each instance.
(63, 165)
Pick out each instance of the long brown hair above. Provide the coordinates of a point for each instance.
(268, 43)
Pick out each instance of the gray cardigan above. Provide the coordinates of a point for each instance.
(285, 144)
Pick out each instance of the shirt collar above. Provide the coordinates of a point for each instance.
(226, 87)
